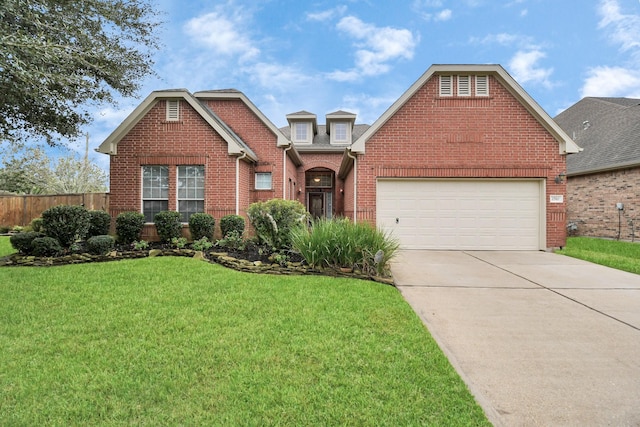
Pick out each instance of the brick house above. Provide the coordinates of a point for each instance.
(464, 159)
(603, 180)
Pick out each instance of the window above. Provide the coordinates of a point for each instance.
(155, 190)
(482, 85)
(446, 86)
(263, 181)
(319, 180)
(464, 85)
(190, 191)
(302, 132)
(173, 110)
(340, 132)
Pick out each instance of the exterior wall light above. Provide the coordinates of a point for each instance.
(560, 178)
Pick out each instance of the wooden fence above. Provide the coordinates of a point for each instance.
(20, 210)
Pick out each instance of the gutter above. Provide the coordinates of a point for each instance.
(244, 154)
(284, 171)
(355, 185)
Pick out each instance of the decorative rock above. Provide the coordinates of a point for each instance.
(154, 253)
(199, 255)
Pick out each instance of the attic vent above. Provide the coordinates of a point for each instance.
(464, 85)
(482, 85)
(446, 86)
(173, 110)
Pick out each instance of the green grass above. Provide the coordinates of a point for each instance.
(5, 246)
(175, 341)
(612, 253)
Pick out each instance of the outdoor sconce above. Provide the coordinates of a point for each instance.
(341, 191)
(299, 190)
(560, 178)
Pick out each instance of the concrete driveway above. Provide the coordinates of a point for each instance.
(540, 339)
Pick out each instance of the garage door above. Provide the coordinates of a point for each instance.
(462, 214)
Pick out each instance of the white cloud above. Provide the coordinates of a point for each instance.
(504, 39)
(377, 46)
(276, 76)
(524, 67)
(224, 34)
(443, 15)
(624, 29)
(612, 81)
(327, 14)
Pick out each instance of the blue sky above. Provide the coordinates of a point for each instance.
(361, 55)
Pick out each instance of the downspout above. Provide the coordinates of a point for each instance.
(244, 154)
(284, 171)
(355, 186)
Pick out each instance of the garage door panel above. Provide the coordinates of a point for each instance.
(461, 214)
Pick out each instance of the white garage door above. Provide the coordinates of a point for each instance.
(462, 214)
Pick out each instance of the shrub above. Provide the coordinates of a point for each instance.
(21, 242)
(168, 225)
(129, 226)
(4, 229)
(341, 243)
(230, 223)
(232, 240)
(66, 223)
(140, 245)
(201, 225)
(46, 246)
(178, 242)
(36, 225)
(202, 244)
(100, 245)
(273, 221)
(99, 223)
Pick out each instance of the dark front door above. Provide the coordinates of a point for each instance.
(316, 205)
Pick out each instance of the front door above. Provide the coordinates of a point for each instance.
(316, 205)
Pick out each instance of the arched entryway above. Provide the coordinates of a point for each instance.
(320, 192)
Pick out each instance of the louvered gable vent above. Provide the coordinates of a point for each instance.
(173, 110)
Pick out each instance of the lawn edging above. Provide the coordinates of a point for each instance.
(222, 258)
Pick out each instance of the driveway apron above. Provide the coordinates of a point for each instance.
(540, 339)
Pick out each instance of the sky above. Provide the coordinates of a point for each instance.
(361, 55)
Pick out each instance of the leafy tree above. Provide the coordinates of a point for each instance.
(31, 171)
(58, 56)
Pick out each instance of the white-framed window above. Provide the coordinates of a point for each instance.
(464, 85)
(263, 180)
(301, 132)
(446, 85)
(340, 133)
(190, 191)
(155, 190)
(482, 85)
(173, 110)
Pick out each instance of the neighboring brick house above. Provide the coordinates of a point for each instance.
(603, 180)
(465, 159)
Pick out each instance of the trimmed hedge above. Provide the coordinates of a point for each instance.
(201, 225)
(129, 226)
(66, 223)
(229, 223)
(21, 242)
(168, 225)
(46, 247)
(99, 223)
(100, 245)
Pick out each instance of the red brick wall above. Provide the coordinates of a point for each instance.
(190, 141)
(490, 137)
(591, 204)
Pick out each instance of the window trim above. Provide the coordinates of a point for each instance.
(172, 110)
(334, 132)
(179, 199)
(142, 188)
(294, 136)
(258, 188)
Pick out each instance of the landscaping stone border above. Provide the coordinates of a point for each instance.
(222, 258)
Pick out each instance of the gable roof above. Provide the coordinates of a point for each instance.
(282, 141)
(235, 145)
(566, 144)
(609, 131)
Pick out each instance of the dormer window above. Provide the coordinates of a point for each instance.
(173, 110)
(301, 133)
(340, 133)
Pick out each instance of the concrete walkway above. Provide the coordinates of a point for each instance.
(540, 339)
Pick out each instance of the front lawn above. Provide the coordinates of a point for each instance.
(612, 253)
(5, 246)
(176, 341)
